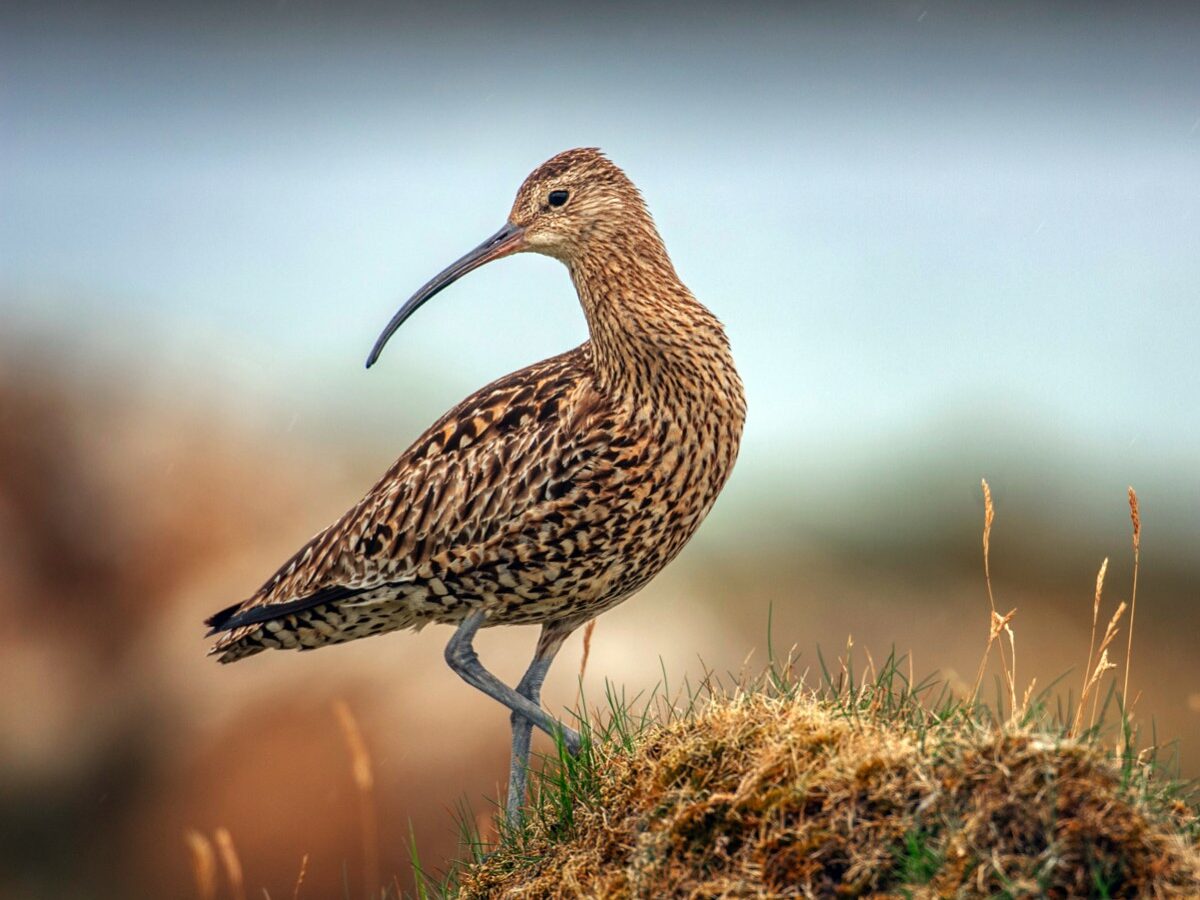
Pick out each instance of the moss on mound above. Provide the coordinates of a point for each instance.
(781, 795)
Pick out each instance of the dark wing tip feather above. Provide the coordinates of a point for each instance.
(240, 614)
(216, 622)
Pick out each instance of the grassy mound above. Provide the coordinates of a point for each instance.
(777, 791)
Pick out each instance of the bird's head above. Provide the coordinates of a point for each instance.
(571, 200)
(565, 206)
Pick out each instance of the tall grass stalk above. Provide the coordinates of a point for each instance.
(364, 783)
(1136, 519)
(204, 864)
(231, 863)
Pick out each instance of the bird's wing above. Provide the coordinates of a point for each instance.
(501, 461)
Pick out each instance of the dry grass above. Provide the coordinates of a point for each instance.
(998, 625)
(1135, 518)
(588, 630)
(204, 864)
(300, 877)
(364, 783)
(231, 863)
(204, 858)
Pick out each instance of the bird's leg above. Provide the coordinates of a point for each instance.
(462, 658)
(530, 687)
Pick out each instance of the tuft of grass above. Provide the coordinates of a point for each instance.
(420, 877)
(865, 785)
(918, 860)
(872, 787)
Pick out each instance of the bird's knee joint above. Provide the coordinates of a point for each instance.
(459, 655)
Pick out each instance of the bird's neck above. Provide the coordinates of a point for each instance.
(651, 340)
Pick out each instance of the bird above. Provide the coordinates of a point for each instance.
(552, 494)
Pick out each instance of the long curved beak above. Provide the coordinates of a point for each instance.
(505, 241)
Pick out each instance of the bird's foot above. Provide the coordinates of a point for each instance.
(571, 740)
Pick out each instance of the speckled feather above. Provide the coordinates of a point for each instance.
(553, 493)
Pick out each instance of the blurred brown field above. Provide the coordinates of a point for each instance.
(127, 515)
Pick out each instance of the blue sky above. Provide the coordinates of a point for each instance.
(921, 221)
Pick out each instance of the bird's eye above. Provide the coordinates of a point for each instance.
(557, 198)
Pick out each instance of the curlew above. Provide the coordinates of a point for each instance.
(552, 494)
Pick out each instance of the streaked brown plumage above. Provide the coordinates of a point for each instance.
(554, 493)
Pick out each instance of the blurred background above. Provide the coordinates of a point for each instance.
(949, 241)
